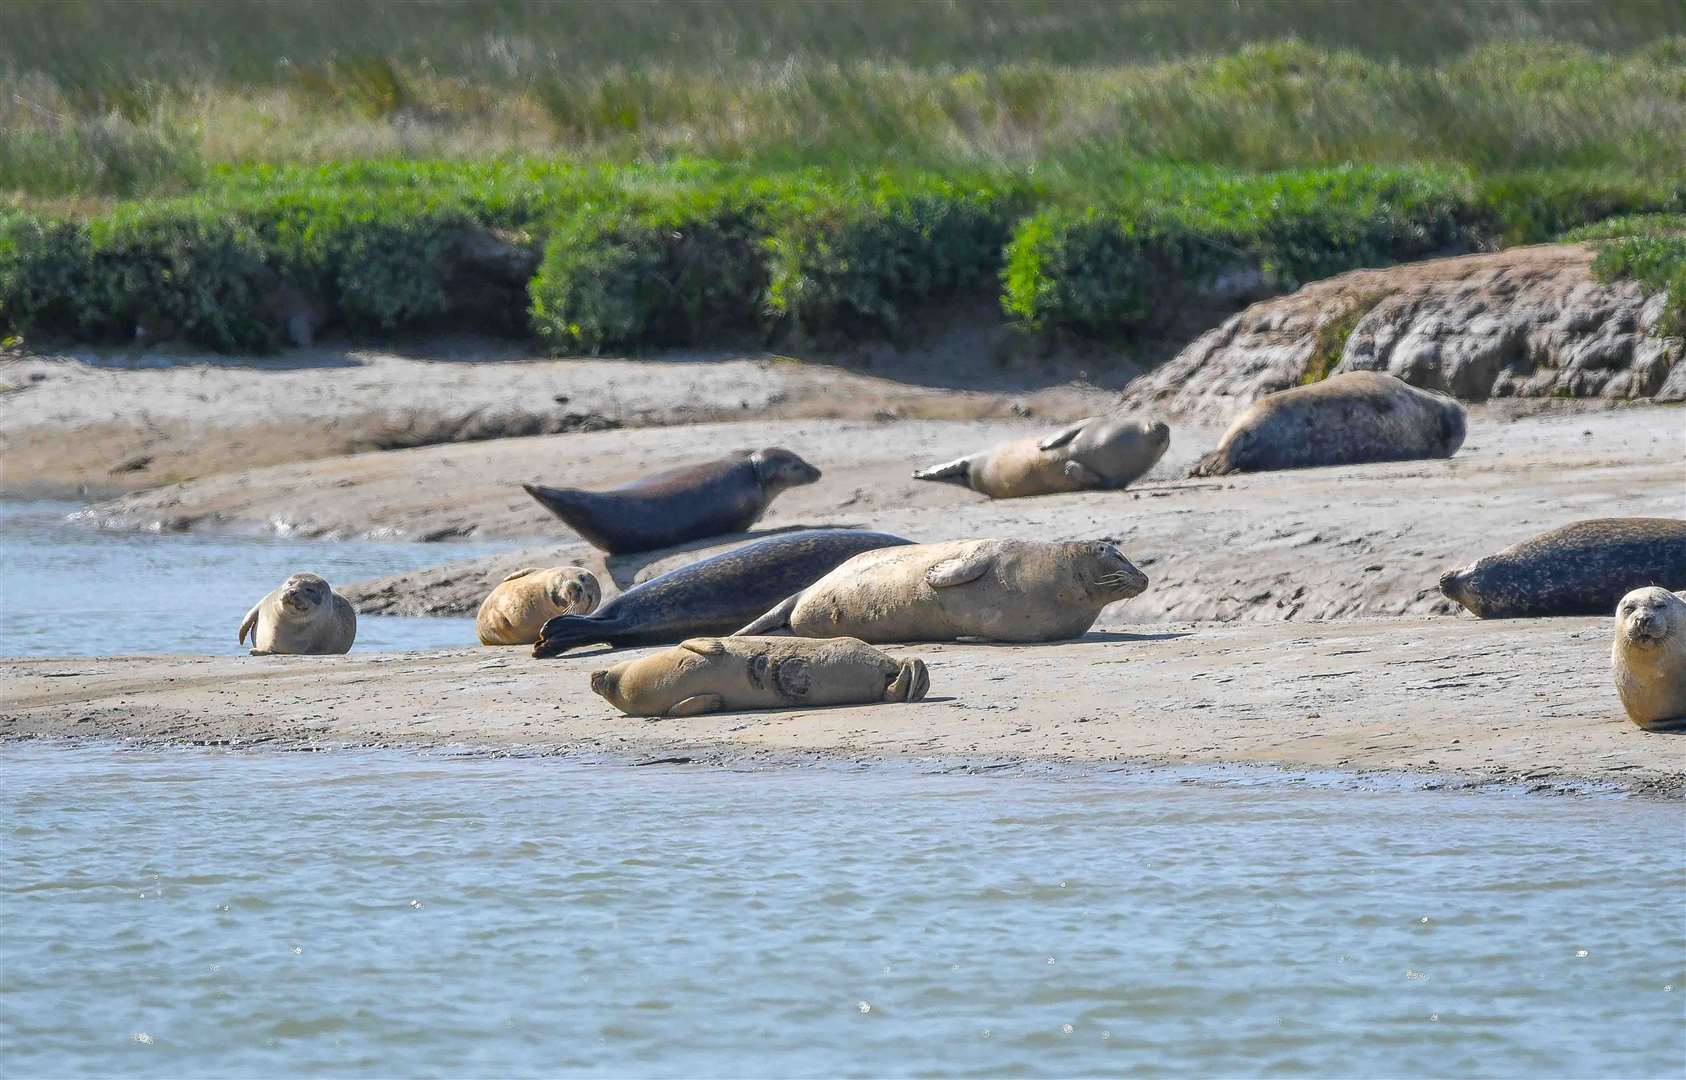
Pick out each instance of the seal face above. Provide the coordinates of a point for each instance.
(1348, 419)
(1094, 454)
(995, 590)
(705, 675)
(521, 603)
(304, 616)
(714, 596)
(1580, 569)
(1648, 658)
(723, 496)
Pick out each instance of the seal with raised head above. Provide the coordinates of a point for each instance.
(991, 590)
(714, 596)
(304, 617)
(1580, 569)
(674, 507)
(512, 612)
(1094, 454)
(1347, 419)
(711, 674)
(1648, 658)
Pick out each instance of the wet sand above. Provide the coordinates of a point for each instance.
(1466, 703)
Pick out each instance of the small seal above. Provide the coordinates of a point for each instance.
(717, 497)
(304, 617)
(1648, 658)
(514, 610)
(713, 674)
(714, 596)
(993, 590)
(1095, 454)
(1347, 419)
(1580, 569)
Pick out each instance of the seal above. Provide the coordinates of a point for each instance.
(1648, 658)
(1094, 454)
(724, 496)
(994, 590)
(1347, 419)
(304, 617)
(714, 596)
(1580, 569)
(711, 674)
(512, 612)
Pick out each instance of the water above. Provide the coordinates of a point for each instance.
(69, 589)
(193, 913)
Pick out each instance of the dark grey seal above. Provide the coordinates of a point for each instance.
(1581, 569)
(718, 497)
(1348, 419)
(712, 597)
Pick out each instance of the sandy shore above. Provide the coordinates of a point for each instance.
(1468, 703)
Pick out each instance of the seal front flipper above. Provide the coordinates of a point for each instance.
(1064, 435)
(772, 622)
(704, 646)
(1085, 475)
(950, 472)
(911, 682)
(249, 625)
(697, 704)
(951, 572)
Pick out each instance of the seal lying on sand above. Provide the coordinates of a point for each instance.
(714, 596)
(724, 496)
(512, 612)
(1649, 658)
(996, 590)
(1344, 420)
(304, 617)
(1580, 569)
(713, 674)
(1096, 454)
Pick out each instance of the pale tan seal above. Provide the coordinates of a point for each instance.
(993, 590)
(513, 612)
(1347, 419)
(703, 675)
(1094, 454)
(304, 617)
(1648, 657)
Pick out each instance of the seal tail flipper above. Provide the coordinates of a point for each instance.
(911, 683)
(249, 625)
(774, 621)
(559, 501)
(949, 472)
(564, 632)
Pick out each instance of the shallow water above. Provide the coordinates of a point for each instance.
(69, 589)
(171, 913)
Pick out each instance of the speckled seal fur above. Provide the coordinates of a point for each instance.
(1579, 569)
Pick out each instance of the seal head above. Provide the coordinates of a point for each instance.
(1648, 658)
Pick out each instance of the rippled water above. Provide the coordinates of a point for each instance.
(68, 589)
(194, 913)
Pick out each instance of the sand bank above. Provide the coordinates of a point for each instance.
(1473, 703)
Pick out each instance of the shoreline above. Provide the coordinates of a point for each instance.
(1445, 703)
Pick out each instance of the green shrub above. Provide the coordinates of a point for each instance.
(675, 271)
(46, 272)
(854, 259)
(1628, 225)
(1533, 207)
(1658, 262)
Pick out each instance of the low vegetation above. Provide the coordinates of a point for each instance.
(1650, 249)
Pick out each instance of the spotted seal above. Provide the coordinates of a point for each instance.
(713, 674)
(514, 610)
(994, 590)
(714, 596)
(302, 617)
(1648, 658)
(1094, 454)
(1580, 569)
(1347, 419)
(717, 497)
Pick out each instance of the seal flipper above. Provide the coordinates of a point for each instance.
(951, 572)
(1064, 435)
(563, 632)
(249, 625)
(1085, 475)
(559, 501)
(911, 682)
(772, 622)
(523, 572)
(697, 704)
(957, 471)
(703, 646)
